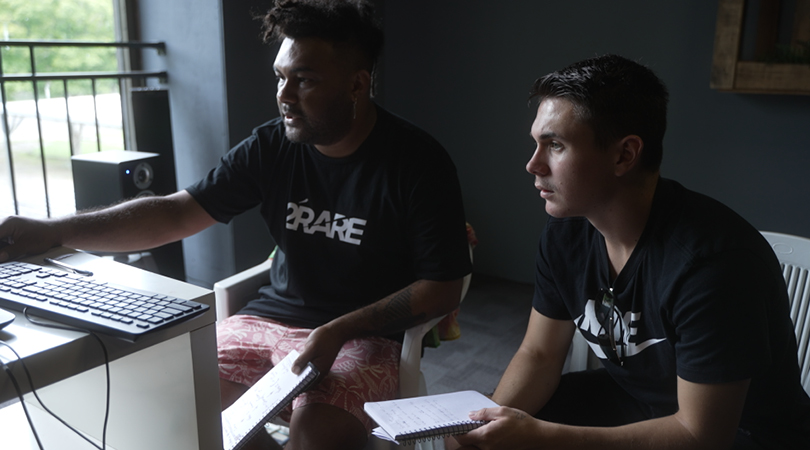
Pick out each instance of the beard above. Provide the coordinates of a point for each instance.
(326, 128)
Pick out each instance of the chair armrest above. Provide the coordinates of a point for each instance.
(410, 360)
(234, 292)
(577, 359)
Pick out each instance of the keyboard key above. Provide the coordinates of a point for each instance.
(183, 308)
(172, 311)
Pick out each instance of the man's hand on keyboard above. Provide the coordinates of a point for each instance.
(21, 236)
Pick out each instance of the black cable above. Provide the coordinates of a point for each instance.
(106, 366)
(31, 383)
(20, 395)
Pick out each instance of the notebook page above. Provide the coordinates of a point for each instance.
(398, 417)
(251, 409)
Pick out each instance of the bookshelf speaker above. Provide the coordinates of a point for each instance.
(107, 177)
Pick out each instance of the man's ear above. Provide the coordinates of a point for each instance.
(630, 148)
(361, 83)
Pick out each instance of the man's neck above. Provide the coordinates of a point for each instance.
(364, 120)
(623, 222)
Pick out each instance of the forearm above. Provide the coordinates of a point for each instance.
(514, 429)
(534, 372)
(666, 433)
(707, 418)
(138, 224)
(418, 302)
(134, 225)
(528, 382)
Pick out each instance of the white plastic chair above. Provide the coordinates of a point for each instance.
(794, 257)
(577, 359)
(234, 292)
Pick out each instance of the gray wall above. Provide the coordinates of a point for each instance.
(219, 89)
(461, 69)
(251, 101)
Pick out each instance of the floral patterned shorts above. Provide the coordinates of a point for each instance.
(365, 369)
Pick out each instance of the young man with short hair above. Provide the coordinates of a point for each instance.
(681, 299)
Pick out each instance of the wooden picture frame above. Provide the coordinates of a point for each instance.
(730, 74)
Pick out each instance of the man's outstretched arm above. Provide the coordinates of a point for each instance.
(138, 224)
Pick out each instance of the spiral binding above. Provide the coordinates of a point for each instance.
(429, 434)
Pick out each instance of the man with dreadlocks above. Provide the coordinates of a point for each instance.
(365, 208)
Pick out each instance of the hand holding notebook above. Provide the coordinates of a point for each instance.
(263, 401)
(410, 420)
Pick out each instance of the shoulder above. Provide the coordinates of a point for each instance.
(401, 127)
(701, 227)
(264, 141)
(407, 139)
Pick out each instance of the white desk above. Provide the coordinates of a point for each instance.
(164, 387)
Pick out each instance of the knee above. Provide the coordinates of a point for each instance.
(319, 426)
(229, 391)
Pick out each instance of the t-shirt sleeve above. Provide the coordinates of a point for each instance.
(720, 319)
(233, 186)
(436, 223)
(547, 298)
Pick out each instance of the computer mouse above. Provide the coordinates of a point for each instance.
(5, 318)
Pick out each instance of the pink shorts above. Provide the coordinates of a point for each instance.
(365, 369)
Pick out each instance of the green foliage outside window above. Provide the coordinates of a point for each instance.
(74, 20)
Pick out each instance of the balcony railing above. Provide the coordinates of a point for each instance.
(13, 189)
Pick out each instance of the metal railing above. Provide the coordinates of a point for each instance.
(34, 77)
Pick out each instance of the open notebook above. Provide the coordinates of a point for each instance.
(410, 420)
(264, 401)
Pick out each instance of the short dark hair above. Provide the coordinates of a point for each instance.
(349, 22)
(616, 97)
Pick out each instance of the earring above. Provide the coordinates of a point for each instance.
(354, 109)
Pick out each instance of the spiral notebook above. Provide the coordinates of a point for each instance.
(410, 420)
(263, 401)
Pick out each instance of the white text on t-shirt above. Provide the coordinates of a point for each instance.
(347, 229)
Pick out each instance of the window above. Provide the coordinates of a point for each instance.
(53, 118)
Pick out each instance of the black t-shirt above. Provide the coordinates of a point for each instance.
(701, 297)
(350, 231)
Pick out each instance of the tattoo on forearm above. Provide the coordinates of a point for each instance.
(396, 314)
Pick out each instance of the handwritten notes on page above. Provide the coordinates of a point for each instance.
(263, 401)
(410, 420)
